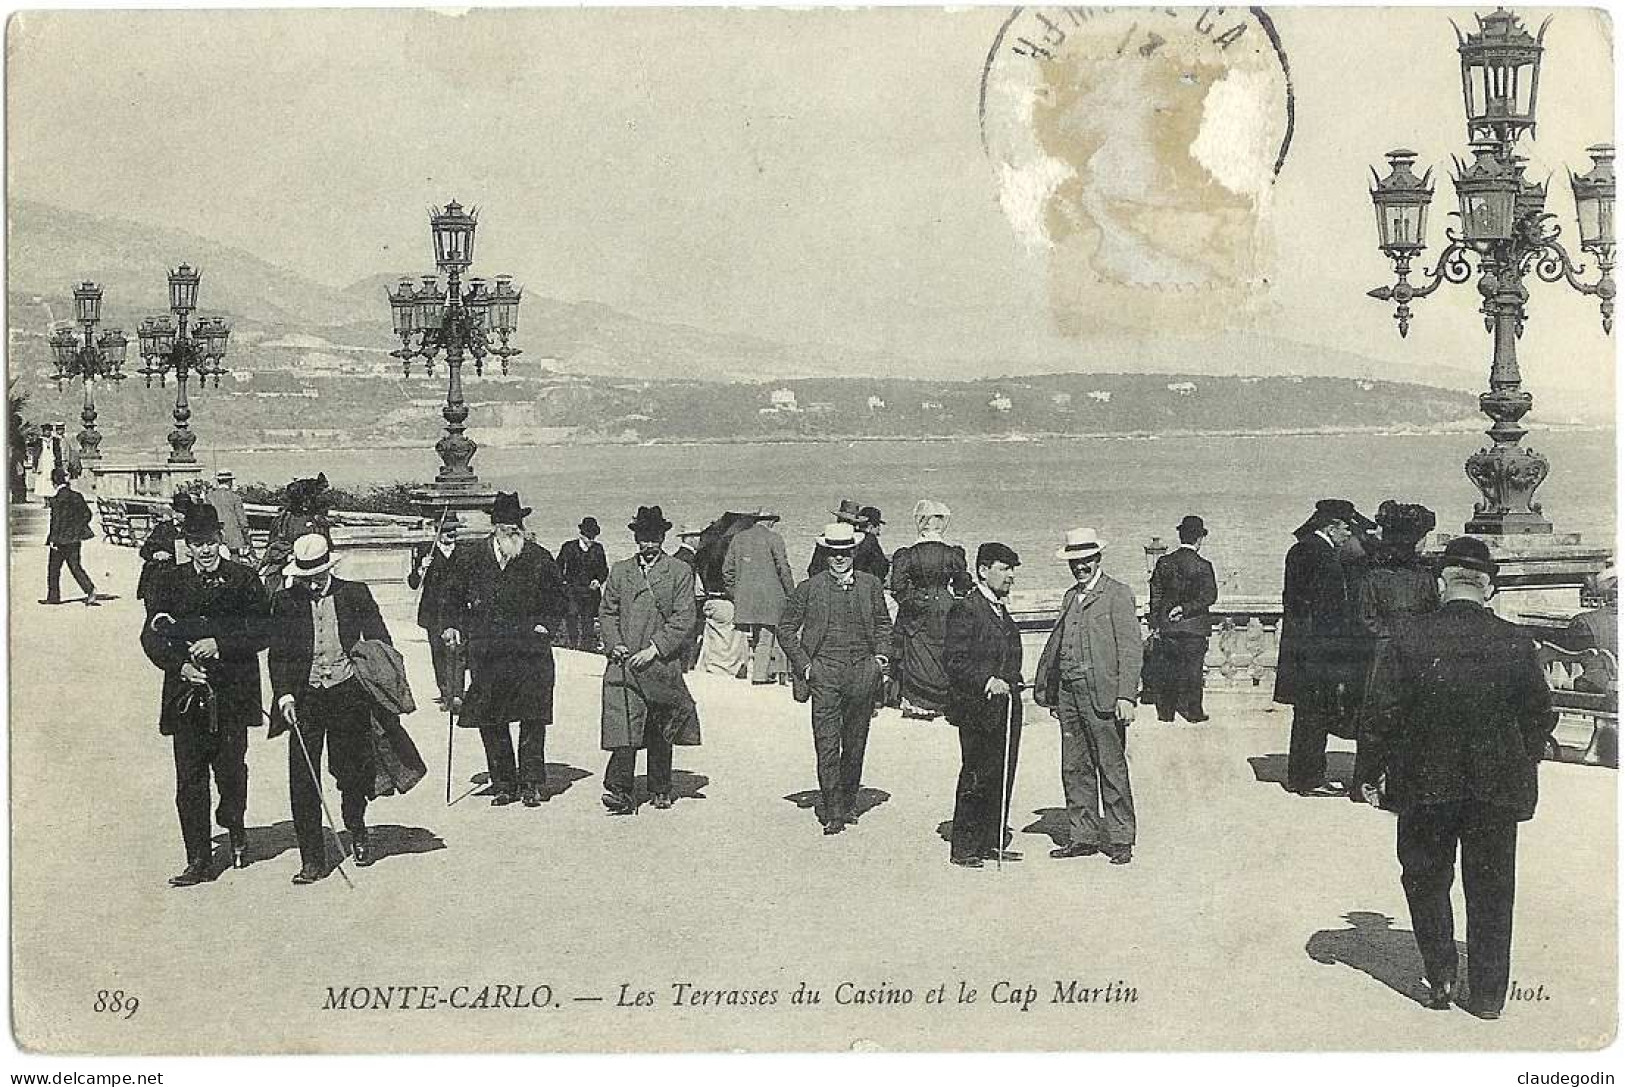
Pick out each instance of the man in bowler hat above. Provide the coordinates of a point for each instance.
(505, 600)
(1458, 716)
(1183, 588)
(584, 569)
(836, 632)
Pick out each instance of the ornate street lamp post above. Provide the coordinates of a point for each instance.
(454, 322)
(169, 346)
(88, 359)
(1504, 225)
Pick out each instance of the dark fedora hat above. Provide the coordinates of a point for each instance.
(1192, 526)
(506, 510)
(588, 527)
(202, 521)
(1474, 554)
(870, 515)
(1328, 510)
(649, 519)
(849, 513)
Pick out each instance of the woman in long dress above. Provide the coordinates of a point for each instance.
(926, 578)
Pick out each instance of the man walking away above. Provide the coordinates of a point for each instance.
(757, 576)
(1183, 588)
(233, 518)
(69, 529)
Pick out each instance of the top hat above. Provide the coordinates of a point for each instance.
(588, 527)
(1470, 553)
(1191, 525)
(930, 507)
(649, 519)
(838, 537)
(1081, 543)
(849, 513)
(202, 521)
(506, 510)
(870, 515)
(312, 556)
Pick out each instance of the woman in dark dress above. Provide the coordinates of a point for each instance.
(926, 578)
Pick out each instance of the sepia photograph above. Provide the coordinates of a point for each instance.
(657, 530)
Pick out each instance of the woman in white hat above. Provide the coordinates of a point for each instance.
(926, 578)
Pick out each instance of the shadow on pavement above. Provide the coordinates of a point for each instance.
(1271, 769)
(388, 840)
(264, 843)
(868, 799)
(1374, 947)
(560, 776)
(1053, 822)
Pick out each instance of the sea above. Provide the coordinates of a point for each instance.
(1251, 490)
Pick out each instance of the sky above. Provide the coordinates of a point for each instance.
(805, 176)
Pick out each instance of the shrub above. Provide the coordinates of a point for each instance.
(393, 497)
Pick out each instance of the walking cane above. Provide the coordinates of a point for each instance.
(322, 797)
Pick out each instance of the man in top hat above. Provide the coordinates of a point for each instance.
(69, 529)
(1320, 642)
(1089, 677)
(1458, 717)
(1183, 588)
(871, 557)
(431, 573)
(504, 600)
(983, 661)
(648, 621)
(758, 578)
(205, 629)
(584, 567)
(836, 632)
(233, 517)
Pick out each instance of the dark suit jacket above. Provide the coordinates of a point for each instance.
(293, 634)
(433, 581)
(229, 606)
(1115, 648)
(579, 569)
(1318, 639)
(805, 622)
(1184, 579)
(1458, 709)
(981, 644)
(70, 518)
(497, 610)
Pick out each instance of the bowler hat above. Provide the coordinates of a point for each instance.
(838, 537)
(1328, 510)
(312, 556)
(1192, 526)
(870, 515)
(1081, 543)
(649, 519)
(202, 521)
(506, 510)
(1470, 553)
(589, 527)
(849, 513)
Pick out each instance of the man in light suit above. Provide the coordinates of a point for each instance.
(1183, 588)
(758, 578)
(1089, 677)
(836, 632)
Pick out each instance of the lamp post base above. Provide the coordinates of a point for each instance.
(468, 504)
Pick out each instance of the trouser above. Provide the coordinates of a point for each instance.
(762, 639)
(1094, 771)
(66, 553)
(1181, 688)
(579, 629)
(449, 666)
(843, 698)
(1306, 755)
(982, 800)
(341, 717)
(1427, 842)
(725, 650)
(623, 765)
(197, 752)
(531, 766)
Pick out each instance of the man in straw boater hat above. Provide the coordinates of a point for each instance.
(1183, 588)
(836, 632)
(1458, 717)
(205, 630)
(506, 600)
(1089, 677)
(647, 616)
(315, 625)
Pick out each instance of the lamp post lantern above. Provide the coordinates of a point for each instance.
(1503, 227)
(455, 323)
(169, 345)
(85, 357)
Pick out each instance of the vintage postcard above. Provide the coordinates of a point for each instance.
(903, 529)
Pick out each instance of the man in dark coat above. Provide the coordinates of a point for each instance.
(1183, 588)
(162, 549)
(431, 572)
(505, 600)
(304, 510)
(757, 576)
(315, 625)
(1318, 643)
(205, 629)
(233, 517)
(871, 557)
(647, 617)
(69, 529)
(584, 569)
(836, 633)
(982, 656)
(1459, 716)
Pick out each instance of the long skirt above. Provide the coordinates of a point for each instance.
(724, 648)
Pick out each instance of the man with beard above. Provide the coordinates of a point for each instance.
(926, 576)
(647, 616)
(505, 599)
(205, 631)
(584, 568)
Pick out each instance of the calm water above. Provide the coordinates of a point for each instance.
(1252, 491)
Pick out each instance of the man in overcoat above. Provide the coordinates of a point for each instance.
(1319, 641)
(1183, 588)
(836, 632)
(69, 528)
(1089, 677)
(205, 628)
(758, 578)
(431, 574)
(583, 568)
(315, 625)
(982, 656)
(647, 617)
(504, 601)
(871, 556)
(1458, 716)
(233, 517)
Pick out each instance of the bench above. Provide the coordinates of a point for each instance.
(1590, 718)
(123, 524)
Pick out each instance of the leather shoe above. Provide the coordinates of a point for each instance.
(239, 848)
(531, 795)
(1001, 855)
(1196, 720)
(504, 796)
(307, 875)
(966, 862)
(363, 852)
(1440, 996)
(834, 826)
(1074, 849)
(619, 804)
(1121, 855)
(193, 874)
(1482, 1011)
(661, 801)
